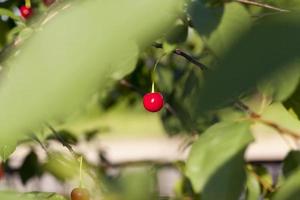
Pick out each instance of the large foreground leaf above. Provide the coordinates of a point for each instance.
(217, 159)
(75, 50)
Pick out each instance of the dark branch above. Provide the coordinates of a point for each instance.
(61, 140)
(263, 5)
(184, 55)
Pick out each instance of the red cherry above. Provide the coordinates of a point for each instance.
(26, 12)
(80, 194)
(153, 101)
(2, 173)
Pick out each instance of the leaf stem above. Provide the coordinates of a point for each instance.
(154, 70)
(28, 3)
(80, 172)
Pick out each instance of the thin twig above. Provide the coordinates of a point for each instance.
(61, 140)
(184, 55)
(263, 5)
(35, 138)
(161, 163)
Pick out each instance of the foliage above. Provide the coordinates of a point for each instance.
(215, 57)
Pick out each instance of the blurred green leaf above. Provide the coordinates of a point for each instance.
(4, 29)
(55, 72)
(30, 196)
(205, 18)
(294, 102)
(250, 60)
(279, 115)
(264, 175)
(6, 150)
(63, 136)
(223, 145)
(253, 187)
(138, 183)
(235, 21)
(291, 163)
(289, 190)
(61, 166)
(281, 84)
(30, 167)
(178, 34)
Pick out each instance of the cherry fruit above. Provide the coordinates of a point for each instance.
(80, 194)
(2, 173)
(153, 101)
(25, 11)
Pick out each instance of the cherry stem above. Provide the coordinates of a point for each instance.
(154, 69)
(153, 89)
(10, 14)
(80, 172)
(28, 3)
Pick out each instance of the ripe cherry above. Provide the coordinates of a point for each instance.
(25, 11)
(80, 194)
(2, 173)
(153, 101)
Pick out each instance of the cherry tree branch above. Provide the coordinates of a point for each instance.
(185, 55)
(263, 5)
(257, 117)
(61, 140)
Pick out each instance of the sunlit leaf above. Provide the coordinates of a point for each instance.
(218, 156)
(279, 115)
(253, 187)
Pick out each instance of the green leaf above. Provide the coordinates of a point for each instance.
(30, 196)
(204, 18)
(291, 163)
(74, 51)
(61, 166)
(217, 157)
(253, 187)
(251, 60)
(138, 177)
(6, 150)
(281, 84)
(279, 115)
(30, 167)
(235, 21)
(289, 190)
(293, 103)
(178, 34)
